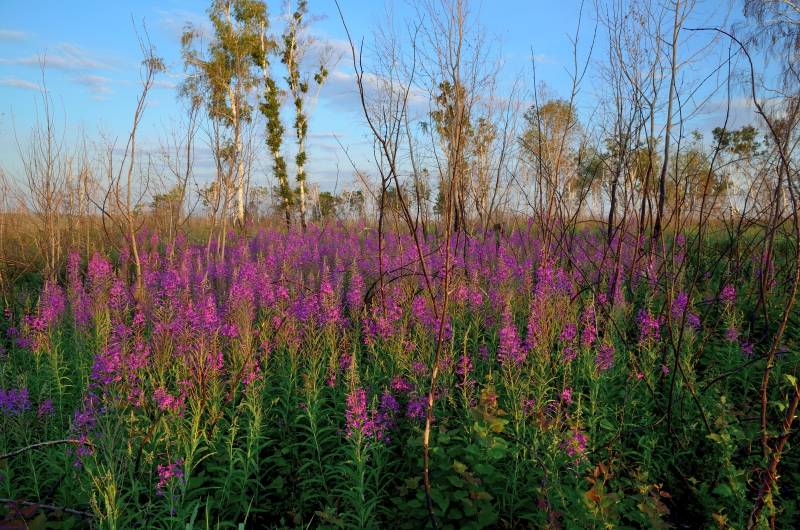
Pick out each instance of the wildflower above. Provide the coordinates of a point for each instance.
(99, 273)
(747, 349)
(419, 368)
(569, 332)
(423, 313)
(355, 291)
(45, 408)
(664, 369)
(568, 354)
(463, 369)
(575, 444)
(605, 357)
(388, 407)
(509, 349)
(693, 319)
(329, 305)
(416, 407)
(566, 396)
(14, 401)
(528, 406)
(50, 310)
(169, 473)
(118, 296)
(356, 413)
(345, 362)
(679, 304)
(165, 401)
(330, 380)
(401, 385)
(728, 294)
(731, 334)
(589, 334)
(649, 327)
(229, 330)
(252, 372)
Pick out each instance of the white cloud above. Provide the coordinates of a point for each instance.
(97, 84)
(18, 83)
(12, 35)
(66, 56)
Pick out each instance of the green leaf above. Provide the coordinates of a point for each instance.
(276, 484)
(723, 490)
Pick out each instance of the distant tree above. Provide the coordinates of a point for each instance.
(295, 44)
(327, 205)
(167, 208)
(45, 169)
(222, 76)
(451, 121)
(548, 142)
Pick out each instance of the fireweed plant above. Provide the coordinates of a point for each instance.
(283, 387)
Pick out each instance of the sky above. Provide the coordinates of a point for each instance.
(92, 57)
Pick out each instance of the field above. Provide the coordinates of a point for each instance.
(578, 384)
(443, 264)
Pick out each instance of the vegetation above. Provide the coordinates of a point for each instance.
(522, 316)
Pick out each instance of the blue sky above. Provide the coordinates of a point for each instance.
(93, 64)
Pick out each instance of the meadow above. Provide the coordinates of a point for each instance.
(434, 264)
(579, 384)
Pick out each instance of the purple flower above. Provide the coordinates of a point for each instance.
(728, 294)
(14, 401)
(569, 332)
(385, 421)
(168, 474)
(605, 357)
(401, 385)
(118, 296)
(45, 408)
(345, 362)
(509, 349)
(575, 444)
(528, 406)
(463, 369)
(356, 413)
(566, 396)
(167, 402)
(731, 334)
(416, 407)
(649, 327)
(589, 334)
(51, 307)
(568, 354)
(679, 304)
(355, 291)
(369, 423)
(419, 368)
